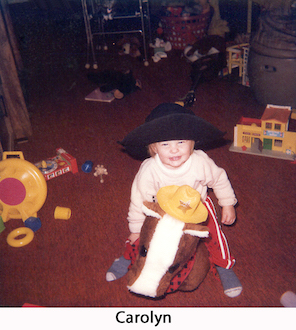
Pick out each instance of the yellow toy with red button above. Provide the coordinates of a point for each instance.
(23, 191)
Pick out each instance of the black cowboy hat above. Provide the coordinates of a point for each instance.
(170, 121)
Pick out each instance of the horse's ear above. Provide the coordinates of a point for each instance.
(151, 209)
(196, 230)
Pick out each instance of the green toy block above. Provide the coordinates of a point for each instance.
(2, 227)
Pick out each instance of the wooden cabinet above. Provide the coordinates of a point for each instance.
(15, 125)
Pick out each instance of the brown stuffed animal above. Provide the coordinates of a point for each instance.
(129, 46)
(169, 253)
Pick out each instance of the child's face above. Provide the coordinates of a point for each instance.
(174, 153)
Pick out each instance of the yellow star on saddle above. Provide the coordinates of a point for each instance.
(184, 206)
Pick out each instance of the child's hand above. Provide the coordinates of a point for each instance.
(133, 237)
(228, 215)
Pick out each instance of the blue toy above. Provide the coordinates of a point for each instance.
(87, 166)
(33, 223)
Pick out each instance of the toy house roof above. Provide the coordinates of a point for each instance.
(279, 114)
(249, 121)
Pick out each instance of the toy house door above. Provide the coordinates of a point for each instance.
(267, 144)
(256, 145)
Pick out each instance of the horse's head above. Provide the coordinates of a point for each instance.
(166, 245)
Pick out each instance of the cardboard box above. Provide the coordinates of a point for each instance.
(61, 164)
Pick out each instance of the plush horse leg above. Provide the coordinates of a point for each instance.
(199, 271)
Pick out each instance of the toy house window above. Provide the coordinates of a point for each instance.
(278, 143)
(246, 139)
(277, 127)
(268, 125)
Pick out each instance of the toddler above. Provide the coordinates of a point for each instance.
(170, 134)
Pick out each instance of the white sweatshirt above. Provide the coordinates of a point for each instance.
(199, 172)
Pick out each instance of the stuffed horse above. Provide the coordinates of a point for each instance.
(170, 255)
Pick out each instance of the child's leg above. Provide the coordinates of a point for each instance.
(220, 254)
(118, 269)
(231, 285)
(121, 265)
(217, 244)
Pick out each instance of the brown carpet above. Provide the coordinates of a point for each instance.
(66, 262)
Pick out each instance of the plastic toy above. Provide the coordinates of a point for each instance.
(14, 242)
(87, 166)
(23, 189)
(2, 226)
(26, 305)
(33, 223)
(288, 299)
(269, 136)
(62, 213)
(62, 163)
(100, 170)
(236, 57)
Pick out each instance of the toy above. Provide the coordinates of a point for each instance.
(33, 223)
(129, 46)
(236, 55)
(87, 166)
(269, 136)
(26, 305)
(160, 49)
(217, 25)
(100, 170)
(62, 163)
(62, 213)
(14, 242)
(2, 226)
(288, 299)
(181, 263)
(120, 83)
(23, 189)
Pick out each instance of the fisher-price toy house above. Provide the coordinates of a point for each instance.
(268, 136)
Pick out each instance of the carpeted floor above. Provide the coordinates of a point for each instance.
(66, 262)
